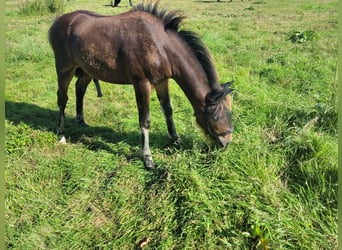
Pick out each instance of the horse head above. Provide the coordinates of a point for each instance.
(216, 118)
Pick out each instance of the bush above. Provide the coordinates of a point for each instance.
(301, 37)
(38, 7)
(55, 5)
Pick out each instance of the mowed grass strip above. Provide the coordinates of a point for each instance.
(274, 187)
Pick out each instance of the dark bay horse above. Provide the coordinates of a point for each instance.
(144, 47)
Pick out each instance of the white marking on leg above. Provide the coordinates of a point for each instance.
(146, 147)
(148, 162)
(62, 140)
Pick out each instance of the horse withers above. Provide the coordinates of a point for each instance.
(143, 47)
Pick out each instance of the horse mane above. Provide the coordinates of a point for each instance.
(172, 21)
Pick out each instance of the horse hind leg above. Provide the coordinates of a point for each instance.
(64, 78)
(83, 80)
(98, 87)
(163, 95)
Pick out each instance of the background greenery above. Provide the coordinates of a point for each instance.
(274, 187)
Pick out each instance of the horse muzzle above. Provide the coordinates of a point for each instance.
(223, 140)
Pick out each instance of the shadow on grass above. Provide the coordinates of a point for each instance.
(45, 119)
(94, 137)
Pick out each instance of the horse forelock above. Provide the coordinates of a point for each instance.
(172, 21)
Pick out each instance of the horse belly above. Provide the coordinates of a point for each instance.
(105, 65)
(102, 61)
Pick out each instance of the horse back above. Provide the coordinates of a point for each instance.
(113, 48)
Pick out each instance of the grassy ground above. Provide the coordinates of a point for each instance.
(275, 187)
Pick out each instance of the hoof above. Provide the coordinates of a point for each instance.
(176, 142)
(81, 122)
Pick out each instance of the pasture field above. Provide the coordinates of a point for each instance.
(274, 187)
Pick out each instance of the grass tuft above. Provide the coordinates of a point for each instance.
(39, 7)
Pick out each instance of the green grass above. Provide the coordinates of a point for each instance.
(274, 187)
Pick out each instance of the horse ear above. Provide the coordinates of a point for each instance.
(226, 87)
(227, 84)
(217, 95)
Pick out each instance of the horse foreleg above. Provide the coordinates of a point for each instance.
(142, 94)
(162, 90)
(98, 87)
(81, 87)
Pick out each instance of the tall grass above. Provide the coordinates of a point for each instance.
(274, 187)
(39, 7)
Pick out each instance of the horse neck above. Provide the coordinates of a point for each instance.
(191, 78)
